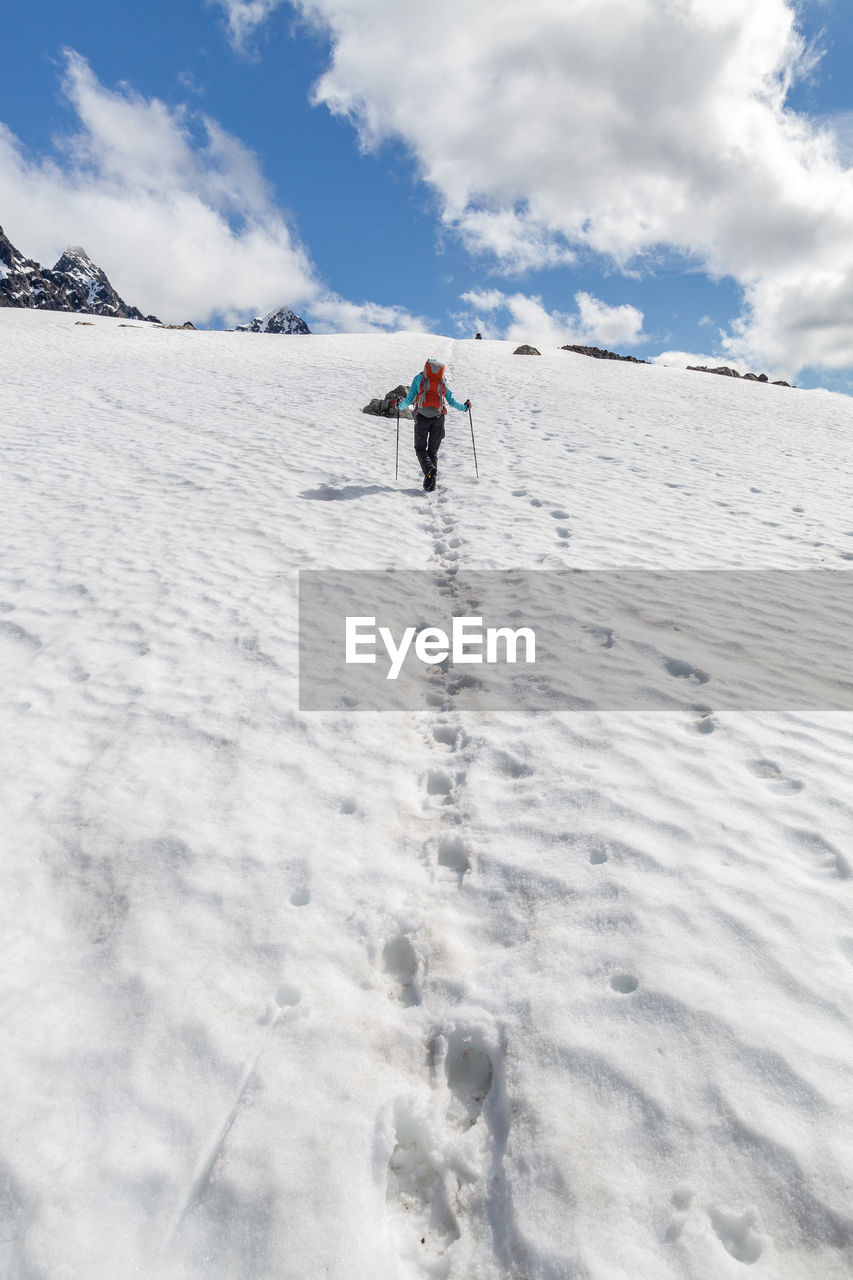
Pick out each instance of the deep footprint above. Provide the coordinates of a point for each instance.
(684, 671)
(469, 1077)
(453, 854)
(414, 1188)
(400, 964)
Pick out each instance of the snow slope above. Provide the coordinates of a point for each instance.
(447, 993)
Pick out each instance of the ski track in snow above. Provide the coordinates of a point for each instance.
(454, 993)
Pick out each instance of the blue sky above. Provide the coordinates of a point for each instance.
(632, 179)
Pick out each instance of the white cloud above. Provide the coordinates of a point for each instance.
(622, 127)
(594, 323)
(681, 359)
(185, 228)
(331, 314)
(245, 16)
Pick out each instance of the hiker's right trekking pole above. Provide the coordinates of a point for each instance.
(397, 459)
(473, 446)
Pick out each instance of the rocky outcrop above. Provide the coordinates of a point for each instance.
(525, 350)
(282, 320)
(601, 353)
(384, 407)
(727, 372)
(723, 370)
(73, 284)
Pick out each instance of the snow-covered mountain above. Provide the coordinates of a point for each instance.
(73, 284)
(459, 992)
(282, 320)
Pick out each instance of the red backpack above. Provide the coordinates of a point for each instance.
(431, 393)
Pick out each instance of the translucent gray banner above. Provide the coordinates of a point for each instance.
(563, 640)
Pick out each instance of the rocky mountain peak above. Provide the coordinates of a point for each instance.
(282, 320)
(75, 283)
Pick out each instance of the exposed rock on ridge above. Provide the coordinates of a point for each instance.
(727, 372)
(75, 283)
(601, 353)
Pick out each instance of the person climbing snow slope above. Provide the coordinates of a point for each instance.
(430, 395)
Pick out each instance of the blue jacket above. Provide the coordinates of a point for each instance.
(415, 388)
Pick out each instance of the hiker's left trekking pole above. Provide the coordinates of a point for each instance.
(473, 446)
(397, 458)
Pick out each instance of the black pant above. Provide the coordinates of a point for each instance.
(429, 433)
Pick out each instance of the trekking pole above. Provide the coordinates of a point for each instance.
(397, 459)
(473, 446)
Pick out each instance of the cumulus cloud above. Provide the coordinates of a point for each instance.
(244, 17)
(626, 128)
(681, 359)
(331, 314)
(184, 226)
(175, 209)
(527, 319)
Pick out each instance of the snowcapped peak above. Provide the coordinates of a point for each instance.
(76, 259)
(75, 283)
(281, 320)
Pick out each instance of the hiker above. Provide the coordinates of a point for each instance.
(431, 395)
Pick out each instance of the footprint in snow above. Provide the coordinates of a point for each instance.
(624, 983)
(604, 635)
(400, 964)
(453, 854)
(470, 1074)
(439, 782)
(286, 997)
(770, 772)
(449, 735)
(11, 631)
(737, 1232)
(684, 671)
(826, 856)
(682, 1198)
(510, 766)
(706, 722)
(416, 1192)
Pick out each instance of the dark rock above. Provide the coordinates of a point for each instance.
(525, 350)
(723, 370)
(73, 284)
(733, 373)
(384, 408)
(282, 320)
(601, 353)
(478, 336)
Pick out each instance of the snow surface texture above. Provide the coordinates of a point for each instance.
(440, 994)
